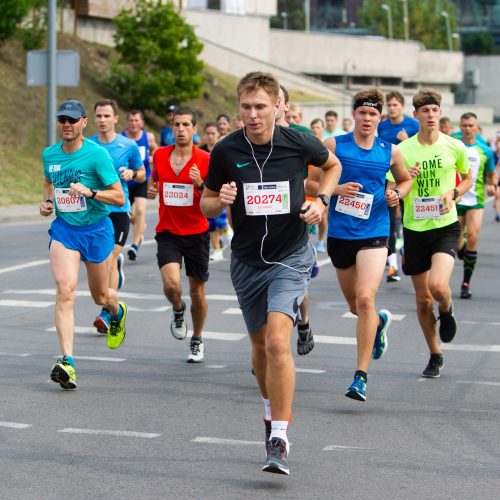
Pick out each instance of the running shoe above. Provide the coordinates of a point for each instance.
(267, 442)
(63, 374)
(217, 255)
(102, 321)
(312, 230)
(196, 351)
(381, 340)
(465, 292)
(305, 342)
(178, 326)
(434, 367)
(447, 325)
(357, 390)
(277, 457)
(117, 331)
(133, 251)
(121, 273)
(392, 275)
(497, 217)
(314, 270)
(320, 246)
(461, 252)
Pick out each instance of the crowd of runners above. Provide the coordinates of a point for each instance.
(278, 193)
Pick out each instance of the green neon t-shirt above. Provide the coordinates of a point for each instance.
(439, 164)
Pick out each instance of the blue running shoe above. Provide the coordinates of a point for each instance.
(357, 390)
(277, 457)
(121, 273)
(381, 341)
(102, 321)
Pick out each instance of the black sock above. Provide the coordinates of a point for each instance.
(196, 340)
(304, 328)
(361, 373)
(470, 259)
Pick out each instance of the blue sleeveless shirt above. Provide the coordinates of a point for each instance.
(368, 167)
(144, 150)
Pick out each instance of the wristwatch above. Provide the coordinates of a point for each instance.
(455, 193)
(398, 192)
(93, 193)
(324, 198)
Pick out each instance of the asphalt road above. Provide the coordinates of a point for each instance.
(143, 423)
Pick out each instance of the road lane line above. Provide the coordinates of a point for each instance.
(15, 425)
(308, 370)
(15, 354)
(395, 317)
(471, 348)
(78, 329)
(33, 263)
(335, 447)
(233, 310)
(25, 303)
(331, 339)
(211, 440)
(496, 384)
(146, 435)
(96, 358)
(323, 262)
(223, 336)
(216, 367)
(490, 323)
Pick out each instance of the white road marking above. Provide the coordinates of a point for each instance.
(490, 323)
(335, 447)
(216, 367)
(147, 435)
(78, 329)
(308, 370)
(14, 425)
(33, 263)
(323, 262)
(154, 309)
(233, 310)
(221, 297)
(15, 354)
(330, 339)
(470, 347)
(26, 303)
(395, 317)
(223, 336)
(210, 440)
(96, 358)
(496, 384)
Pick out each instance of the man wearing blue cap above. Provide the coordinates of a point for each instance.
(80, 182)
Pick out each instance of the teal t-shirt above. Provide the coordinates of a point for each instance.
(92, 166)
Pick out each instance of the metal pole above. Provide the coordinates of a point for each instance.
(389, 19)
(307, 13)
(448, 29)
(406, 20)
(52, 86)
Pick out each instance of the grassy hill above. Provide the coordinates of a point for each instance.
(23, 116)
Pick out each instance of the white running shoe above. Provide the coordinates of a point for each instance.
(217, 255)
(196, 351)
(178, 326)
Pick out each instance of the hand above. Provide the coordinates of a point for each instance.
(402, 135)
(415, 170)
(349, 189)
(78, 189)
(311, 212)
(46, 208)
(227, 194)
(195, 176)
(391, 198)
(491, 189)
(447, 200)
(126, 174)
(152, 191)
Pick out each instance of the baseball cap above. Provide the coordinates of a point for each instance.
(172, 108)
(72, 108)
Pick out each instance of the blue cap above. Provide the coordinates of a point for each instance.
(72, 108)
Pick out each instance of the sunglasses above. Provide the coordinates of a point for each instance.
(63, 119)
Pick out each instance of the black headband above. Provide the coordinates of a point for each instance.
(367, 102)
(430, 100)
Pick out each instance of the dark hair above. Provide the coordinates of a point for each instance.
(136, 112)
(107, 102)
(186, 111)
(223, 115)
(211, 124)
(317, 120)
(468, 115)
(395, 95)
(285, 93)
(331, 113)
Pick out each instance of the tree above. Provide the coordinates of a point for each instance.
(478, 43)
(158, 58)
(13, 12)
(294, 10)
(426, 23)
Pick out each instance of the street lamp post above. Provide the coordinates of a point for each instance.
(406, 20)
(389, 18)
(347, 64)
(456, 36)
(448, 29)
(284, 17)
(307, 15)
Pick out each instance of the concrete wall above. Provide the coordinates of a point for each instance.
(488, 92)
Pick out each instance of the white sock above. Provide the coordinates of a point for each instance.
(267, 409)
(278, 430)
(393, 260)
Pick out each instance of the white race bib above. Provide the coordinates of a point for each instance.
(178, 195)
(358, 206)
(267, 198)
(427, 208)
(142, 151)
(67, 203)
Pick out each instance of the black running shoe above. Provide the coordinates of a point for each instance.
(305, 342)
(267, 423)
(460, 253)
(434, 367)
(447, 325)
(465, 292)
(277, 461)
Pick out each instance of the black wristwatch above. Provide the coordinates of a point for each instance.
(455, 194)
(93, 193)
(324, 199)
(398, 192)
(134, 174)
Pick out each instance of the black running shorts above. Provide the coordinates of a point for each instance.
(343, 252)
(121, 224)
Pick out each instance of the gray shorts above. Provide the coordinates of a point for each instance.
(276, 288)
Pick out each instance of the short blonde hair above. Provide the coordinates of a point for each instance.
(256, 80)
(427, 96)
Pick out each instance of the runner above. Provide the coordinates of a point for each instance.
(331, 129)
(182, 231)
(166, 133)
(294, 114)
(470, 207)
(138, 191)
(347, 125)
(271, 257)
(128, 165)
(317, 128)
(359, 225)
(396, 128)
(445, 125)
(224, 125)
(80, 178)
(430, 223)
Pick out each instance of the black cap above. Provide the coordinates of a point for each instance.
(72, 108)
(172, 108)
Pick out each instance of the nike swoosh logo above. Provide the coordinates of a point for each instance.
(241, 165)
